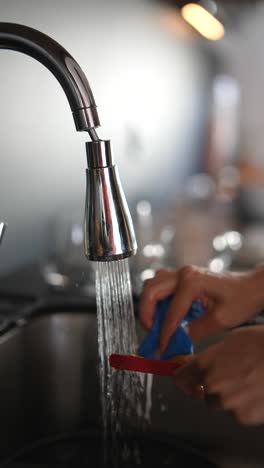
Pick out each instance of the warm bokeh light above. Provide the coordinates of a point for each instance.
(173, 22)
(205, 23)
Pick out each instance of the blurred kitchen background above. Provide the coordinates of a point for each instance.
(183, 108)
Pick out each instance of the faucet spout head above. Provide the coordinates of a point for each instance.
(109, 233)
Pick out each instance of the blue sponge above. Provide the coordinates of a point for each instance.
(180, 342)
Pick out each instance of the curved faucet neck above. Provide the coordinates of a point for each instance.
(110, 235)
(62, 65)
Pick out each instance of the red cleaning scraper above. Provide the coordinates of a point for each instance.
(147, 365)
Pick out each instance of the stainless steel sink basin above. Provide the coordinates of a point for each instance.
(49, 396)
(48, 383)
(50, 410)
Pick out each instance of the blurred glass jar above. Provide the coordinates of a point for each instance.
(202, 215)
(65, 267)
(155, 245)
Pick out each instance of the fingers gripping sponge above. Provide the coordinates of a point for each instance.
(180, 342)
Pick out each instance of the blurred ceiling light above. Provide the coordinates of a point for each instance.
(205, 23)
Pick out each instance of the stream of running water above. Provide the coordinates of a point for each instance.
(123, 396)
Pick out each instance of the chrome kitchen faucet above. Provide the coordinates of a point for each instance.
(108, 228)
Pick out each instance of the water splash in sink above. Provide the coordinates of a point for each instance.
(122, 393)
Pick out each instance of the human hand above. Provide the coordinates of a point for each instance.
(229, 299)
(232, 373)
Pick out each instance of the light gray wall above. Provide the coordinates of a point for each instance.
(149, 86)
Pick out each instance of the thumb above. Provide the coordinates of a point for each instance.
(205, 325)
(178, 308)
